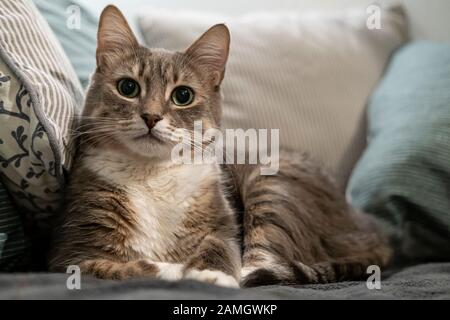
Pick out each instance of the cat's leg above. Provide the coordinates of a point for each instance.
(269, 257)
(274, 238)
(215, 261)
(299, 230)
(108, 269)
(265, 264)
(261, 266)
(354, 268)
(295, 272)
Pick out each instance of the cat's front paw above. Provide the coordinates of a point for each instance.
(170, 271)
(212, 276)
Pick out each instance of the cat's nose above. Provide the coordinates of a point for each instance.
(151, 119)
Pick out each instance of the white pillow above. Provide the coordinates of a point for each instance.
(309, 75)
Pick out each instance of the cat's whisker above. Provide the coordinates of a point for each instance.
(90, 142)
(94, 117)
(93, 131)
(183, 134)
(90, 128)
(97, 122)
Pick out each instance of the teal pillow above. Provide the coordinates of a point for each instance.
(403, 177)
(13, 246)
(78, 43)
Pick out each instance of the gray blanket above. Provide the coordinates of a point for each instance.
(428, 281)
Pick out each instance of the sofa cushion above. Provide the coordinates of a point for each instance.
(308, 75)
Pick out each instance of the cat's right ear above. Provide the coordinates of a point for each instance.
(114, 35)
(211, 50)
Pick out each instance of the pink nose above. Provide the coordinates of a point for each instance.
(151, 119)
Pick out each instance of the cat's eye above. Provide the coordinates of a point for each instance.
(128, 88)
(182, 96)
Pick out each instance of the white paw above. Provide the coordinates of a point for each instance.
(170, 271)
(211, 276)
(245, 271)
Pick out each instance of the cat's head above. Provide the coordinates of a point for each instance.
(139, 96)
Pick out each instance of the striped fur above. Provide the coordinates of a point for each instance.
(132, 212)
(298, 228)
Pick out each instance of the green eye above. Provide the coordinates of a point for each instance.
(128, 88)
(182, 96)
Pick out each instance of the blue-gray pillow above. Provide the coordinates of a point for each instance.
(79, 41)
(403, 177)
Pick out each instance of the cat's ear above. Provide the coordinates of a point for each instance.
(114, 35)
(211, 50)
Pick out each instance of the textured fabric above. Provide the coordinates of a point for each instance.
(12, 240)
(40, 94)
(79, 41)
(27, 163)
(428, 281)
(3, 237)
(404, 176)
(308, 75)
(31, 50)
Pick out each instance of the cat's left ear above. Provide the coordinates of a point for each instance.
(114, 35)
(211, 50)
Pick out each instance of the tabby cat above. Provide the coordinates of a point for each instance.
(132, 212)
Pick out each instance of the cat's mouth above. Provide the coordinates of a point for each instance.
(150, 136)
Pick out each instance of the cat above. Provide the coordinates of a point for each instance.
(132, 212)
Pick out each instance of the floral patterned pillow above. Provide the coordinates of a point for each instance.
(27, 163)
(40, 95)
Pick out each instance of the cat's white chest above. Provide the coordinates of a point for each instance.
(160, 203)
(159, 209)
(159, 199)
